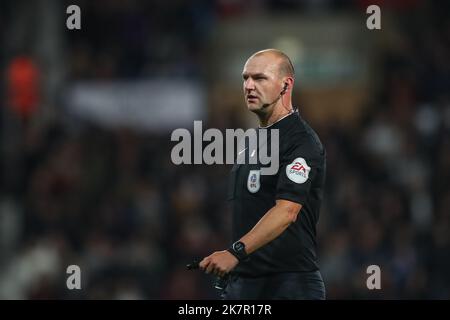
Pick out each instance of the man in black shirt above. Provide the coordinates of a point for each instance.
(274, 216)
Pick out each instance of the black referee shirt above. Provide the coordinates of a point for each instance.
(300, 178)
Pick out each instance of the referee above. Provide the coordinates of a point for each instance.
(274, 216)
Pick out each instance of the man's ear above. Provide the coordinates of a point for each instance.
(288, 83)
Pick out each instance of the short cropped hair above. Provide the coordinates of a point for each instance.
(286, 66)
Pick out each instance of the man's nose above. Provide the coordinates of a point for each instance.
(249, 85)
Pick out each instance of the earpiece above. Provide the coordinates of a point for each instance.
(278, 98)
(284, 89)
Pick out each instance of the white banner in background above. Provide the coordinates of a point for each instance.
(148, 105)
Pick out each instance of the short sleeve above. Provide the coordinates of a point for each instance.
(298, 170)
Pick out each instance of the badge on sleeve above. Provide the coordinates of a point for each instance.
(298, 170)
(253, 181)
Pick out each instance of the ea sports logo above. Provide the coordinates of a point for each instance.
(298, 167)
(298, 170)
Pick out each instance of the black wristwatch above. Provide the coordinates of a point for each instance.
(237, 249)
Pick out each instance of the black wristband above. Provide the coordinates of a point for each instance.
(237, 249)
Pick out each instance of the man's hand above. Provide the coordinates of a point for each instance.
(219, 263)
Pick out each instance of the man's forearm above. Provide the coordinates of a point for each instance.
(271, 225)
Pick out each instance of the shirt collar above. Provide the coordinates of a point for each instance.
(283, 121)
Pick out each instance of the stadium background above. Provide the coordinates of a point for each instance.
(86, 117)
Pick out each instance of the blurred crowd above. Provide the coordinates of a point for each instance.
(112, 202)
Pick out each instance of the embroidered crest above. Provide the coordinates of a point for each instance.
(254, 181)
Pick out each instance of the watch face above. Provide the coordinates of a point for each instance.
(238, 246)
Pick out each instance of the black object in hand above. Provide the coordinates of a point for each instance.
(194, 265)
(220, 283)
